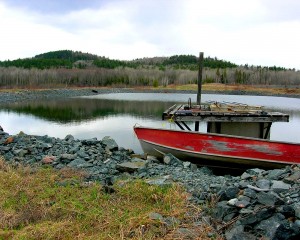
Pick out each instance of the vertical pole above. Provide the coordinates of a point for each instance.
(200, 78)
(199, 86)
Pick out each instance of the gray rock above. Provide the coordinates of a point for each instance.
(245, 175)
(152, 159)
(169, 159)
(44, 145)
(193, 167)
(286, 210)
(257, 216)
(293, 177)
(263, 183)
(230, 216)
(164, 180)
(5, 148)
(280, 186)
(237, 233)
(156, 216)
(110, 143)
(69, 138)
(296, 208)
(20, 152)
(232, 202)
(47, 139)
(267, 199)
(246, 211)
(222, 210)
(268, 227)
(287, 231)
(255, 172)
(82, 154)
(243, 184)
(131, 166)
(67, 156)
(186, 164)
(231, 192)
(79, 163)
(276, 174)
(104, 170)
(90, 142)
(206, 171)
(244, 198)
(250, 193)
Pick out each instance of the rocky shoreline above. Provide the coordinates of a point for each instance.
(258, 204)
(29, 95)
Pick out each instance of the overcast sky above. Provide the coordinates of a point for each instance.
(258, 32)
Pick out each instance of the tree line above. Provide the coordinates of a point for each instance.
(67, 68)
(13, 77)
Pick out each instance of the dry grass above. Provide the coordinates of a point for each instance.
(247, 88)
(49, 204)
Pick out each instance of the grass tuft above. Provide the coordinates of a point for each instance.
(36, 205)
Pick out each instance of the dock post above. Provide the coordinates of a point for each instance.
(200, 78)
(199, 86)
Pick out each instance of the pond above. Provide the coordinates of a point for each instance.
(115, 114)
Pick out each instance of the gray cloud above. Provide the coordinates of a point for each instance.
(240, 31)
(54, 6)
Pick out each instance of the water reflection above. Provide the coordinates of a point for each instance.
(115, 114)
(83, 109)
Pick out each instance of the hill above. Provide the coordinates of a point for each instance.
(77, 59)
(72, 56)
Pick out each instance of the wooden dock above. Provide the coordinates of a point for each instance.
(207, 113)
(225, 118)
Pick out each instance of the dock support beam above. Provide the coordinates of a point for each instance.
(197, 126)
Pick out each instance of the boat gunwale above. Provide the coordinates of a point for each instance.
(219, 135)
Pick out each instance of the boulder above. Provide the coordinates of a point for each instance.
(169, 159)
(110, 143)
(132, 166)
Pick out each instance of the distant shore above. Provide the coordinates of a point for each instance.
(10, 96)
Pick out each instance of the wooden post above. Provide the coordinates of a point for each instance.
(199, 86)
(200, 78)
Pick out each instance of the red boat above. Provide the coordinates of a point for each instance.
(237, 135)
(219, 150)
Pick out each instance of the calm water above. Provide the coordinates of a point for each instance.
(115, 115)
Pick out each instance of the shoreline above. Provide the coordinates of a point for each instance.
(12, 96)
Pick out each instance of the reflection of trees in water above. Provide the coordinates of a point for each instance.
(69, 110)
(82, 109)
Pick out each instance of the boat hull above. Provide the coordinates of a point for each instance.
(218, 150)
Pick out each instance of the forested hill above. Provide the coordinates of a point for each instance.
(73, 56)
(76, 59)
